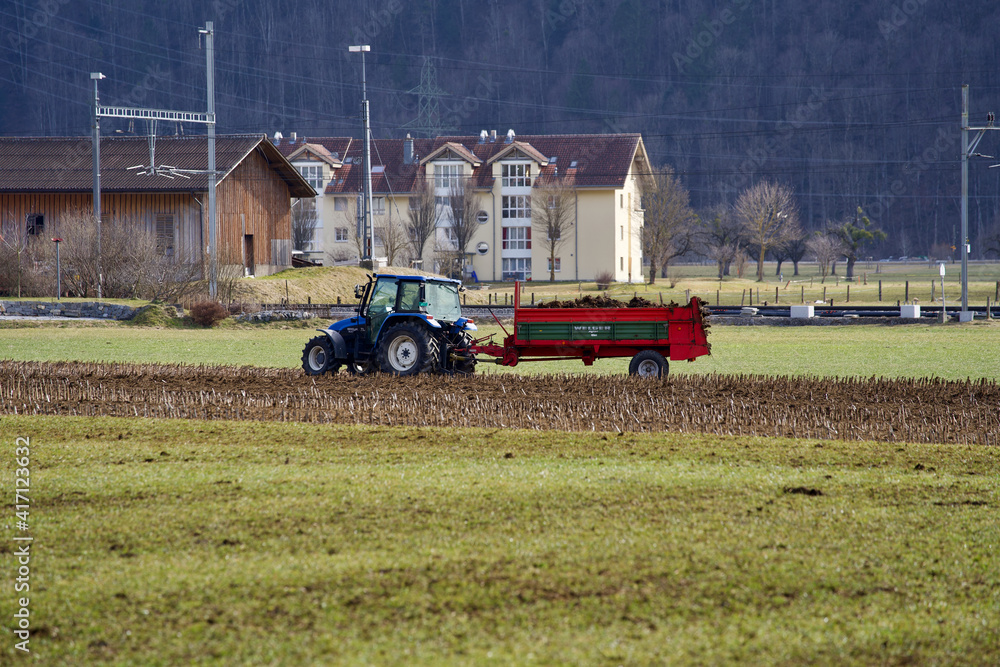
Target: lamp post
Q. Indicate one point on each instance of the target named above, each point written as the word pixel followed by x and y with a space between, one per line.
pixel 57 241
pixel 366 259
pixel 95 77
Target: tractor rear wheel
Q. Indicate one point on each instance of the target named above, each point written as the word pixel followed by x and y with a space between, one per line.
pixel 317 357
pixel 466 366
pixel 648 364
pixel 407 349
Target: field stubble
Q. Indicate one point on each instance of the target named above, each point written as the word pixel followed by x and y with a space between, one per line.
pixel 914 410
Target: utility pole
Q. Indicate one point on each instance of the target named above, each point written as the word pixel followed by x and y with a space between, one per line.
pixel 96 151
pixel 133 113
pixel 968 149
pixel 213 265
pixel 366 259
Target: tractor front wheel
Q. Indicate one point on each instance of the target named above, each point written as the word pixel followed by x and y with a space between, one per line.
pixel 648 364
pixel 407 349
pixel 317 357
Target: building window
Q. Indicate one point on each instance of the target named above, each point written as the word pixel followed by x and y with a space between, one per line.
pixel 165 235
pixel 623 232
pixel 516 175
pixel 36 224
pixel 558 264
pixel 340 203
pixel 621 262
pixel 314 175
pixel 447 176
pixel 516 268
pixel 340 235
pixel 517 238
pixel 378 205
pixel 621 201
pixel 516 206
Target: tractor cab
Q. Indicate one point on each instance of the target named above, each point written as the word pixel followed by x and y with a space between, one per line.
pixel 422 318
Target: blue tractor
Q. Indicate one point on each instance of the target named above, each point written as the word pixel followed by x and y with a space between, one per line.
pixel 405 325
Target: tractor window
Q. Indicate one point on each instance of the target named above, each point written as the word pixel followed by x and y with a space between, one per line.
pixel 383 300
pixel 442 301
pixel 409 296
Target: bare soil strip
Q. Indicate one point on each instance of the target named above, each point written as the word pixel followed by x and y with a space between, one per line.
pixel 880 409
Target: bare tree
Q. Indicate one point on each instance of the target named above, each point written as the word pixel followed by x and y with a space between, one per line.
pixel 348 219
pixel 423 216
pixel 14 236
pixel 721 236
pixel 134 265
pixel 304 221
pixel 826 249
pixel 464 205
pixel 669 228
pixel 552 216
pixel 797 249
pixel 769 216
pixel 392 236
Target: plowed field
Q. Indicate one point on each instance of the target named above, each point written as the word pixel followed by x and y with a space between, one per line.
pixel 922 410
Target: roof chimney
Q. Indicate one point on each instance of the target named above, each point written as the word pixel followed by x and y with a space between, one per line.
pixel 493 136
pixel 510 136
pixel 295 137
pixel 482 137
pixel 408 149
pixel 277 138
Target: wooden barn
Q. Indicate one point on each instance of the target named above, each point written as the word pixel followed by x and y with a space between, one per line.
pixel 43 180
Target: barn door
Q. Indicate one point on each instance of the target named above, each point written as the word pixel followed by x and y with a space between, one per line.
pixel 248 254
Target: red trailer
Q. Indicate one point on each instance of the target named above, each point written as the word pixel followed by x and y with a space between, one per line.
pixel 649 335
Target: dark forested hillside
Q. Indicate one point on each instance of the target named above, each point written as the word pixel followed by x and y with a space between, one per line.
pixel 850 103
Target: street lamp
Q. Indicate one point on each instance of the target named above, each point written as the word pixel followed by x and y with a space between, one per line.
pixel 366 259
pixel 57 241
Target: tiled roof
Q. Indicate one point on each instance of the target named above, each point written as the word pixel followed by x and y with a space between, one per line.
pixel 456 148
pixel 318 150
pixel 395 178
pixel 602 160
pixel 64 164
pixel 337 146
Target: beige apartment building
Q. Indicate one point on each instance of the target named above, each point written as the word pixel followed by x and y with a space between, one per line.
pixel 600 172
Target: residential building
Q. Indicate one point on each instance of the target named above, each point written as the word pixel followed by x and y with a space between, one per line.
pixel 45 179
pixel 602 173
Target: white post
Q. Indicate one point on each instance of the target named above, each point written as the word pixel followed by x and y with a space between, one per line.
pixel 944 309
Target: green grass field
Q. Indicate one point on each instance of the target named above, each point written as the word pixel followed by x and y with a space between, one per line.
pixel 165 543
pixel 949 351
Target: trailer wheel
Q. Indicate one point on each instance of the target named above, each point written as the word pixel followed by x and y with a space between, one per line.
pixel 317 357
pixel 648 364
pixel 407 349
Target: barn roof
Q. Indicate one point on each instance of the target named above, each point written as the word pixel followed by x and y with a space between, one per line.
pixel 64 164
